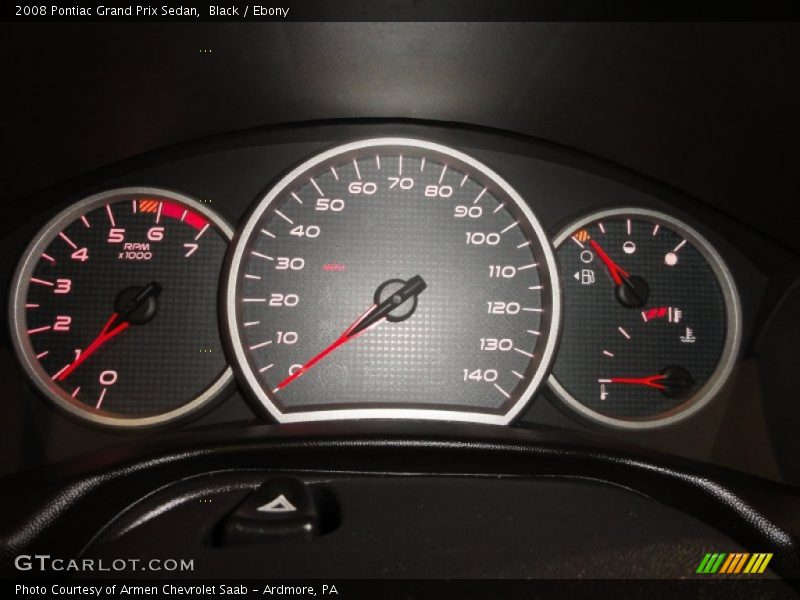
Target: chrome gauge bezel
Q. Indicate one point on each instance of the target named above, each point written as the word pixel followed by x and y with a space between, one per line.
pixel 18 320
pixel 276 193
pixel 731 347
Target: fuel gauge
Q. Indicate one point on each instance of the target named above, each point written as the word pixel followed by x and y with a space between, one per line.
pixel 651 319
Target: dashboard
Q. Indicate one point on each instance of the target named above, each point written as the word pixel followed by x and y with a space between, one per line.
pixel 397 296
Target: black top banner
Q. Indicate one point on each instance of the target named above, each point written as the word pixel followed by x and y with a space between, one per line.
pixel 396 10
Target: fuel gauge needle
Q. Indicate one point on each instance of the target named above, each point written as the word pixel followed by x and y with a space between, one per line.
pixel 631 291
pixel 373 317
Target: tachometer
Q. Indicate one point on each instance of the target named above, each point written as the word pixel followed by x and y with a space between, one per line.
pixel 392 278
pixel 651 319
pixel 114 308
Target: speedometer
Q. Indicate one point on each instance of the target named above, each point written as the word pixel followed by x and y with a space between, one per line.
pixel 392 278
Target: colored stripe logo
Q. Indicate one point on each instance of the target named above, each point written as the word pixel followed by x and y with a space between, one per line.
pixel 734 563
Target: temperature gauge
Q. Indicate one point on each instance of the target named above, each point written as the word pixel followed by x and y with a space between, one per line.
pixel 651 319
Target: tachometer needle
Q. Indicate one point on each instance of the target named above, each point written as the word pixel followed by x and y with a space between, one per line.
pixel 373 317
pixel 114 326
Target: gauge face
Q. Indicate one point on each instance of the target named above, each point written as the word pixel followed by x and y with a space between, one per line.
pixel 392 278
pixel 651 319
pixel 114 308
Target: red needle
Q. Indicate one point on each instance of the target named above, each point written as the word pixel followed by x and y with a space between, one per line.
pixel 105 335
pixel 340 341
pixel 651 381
pixel 616 271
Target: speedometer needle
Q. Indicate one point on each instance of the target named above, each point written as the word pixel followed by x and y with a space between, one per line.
pixel 118 323
pixel 373 317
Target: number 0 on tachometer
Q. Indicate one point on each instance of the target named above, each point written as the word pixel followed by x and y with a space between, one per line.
pixel 392 278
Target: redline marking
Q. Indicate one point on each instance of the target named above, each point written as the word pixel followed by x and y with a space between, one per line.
pixel 248 276
pixel 31 306
pixel 85 222
pixel 400 171
pixel 358 173
pixel 284 217
pixel 463 181
pixel 111 215
pixel 518 374
pixel 602 228
pixel 335 174
pixel 502 391
pixel 69 241
pixel 267 368
pixel 530 266
pixel 378 161
pixel 267 233
pixel 100 399
pixel 625 333
pixel 533 332
pixel 42 282
pixel 60 371
pixel 201 232
pixel 574 239
pixel 441 175
pixel 261 345
pixel 607 353
pixel 75 393
pixel 39 329
pixel 514 224
pixel 251 323
pixel 483 191
pixel 296 197
pixel 422 164
pixel 523 352
pixel 48 257
pixel 656 228
pixel 679 246
pixel 314 183
pixel 259 255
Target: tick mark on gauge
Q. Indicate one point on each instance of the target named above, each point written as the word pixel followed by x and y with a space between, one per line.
pixel 679 246
pixel 656 228
pixel 100 399
pixel 314 183
pixel 623 332
pixel 502 391
pixel 523 244
pixel 530 266
pixel 519 375
pixel 60 371
pixel 500 207
pixel 526 309
pixel 111 215
pixel 64 237
pixel 441 175
pixel 483 191
pixel 41 282
pixel 31 306
pixel 297 198
pixel 268 234
pixel 577 241
pixel 248 276
pixel 39 329
pixel 254 299
pixel 532 332
pixel 536 287
pixel 48 258
pixel 259 255
pixel 335 174
pixel 252 323
pixel 42 354
pixel 601 227
pixel 267 368
pixel 378 162
pixel 464 180
pixel 514 224
pixel 201 232
pixel 85 222
pixel 284 217
pixel 608 354
pixel 355 166
pixel 523 352
pixel 260 345
pixel 400 165
pixel 628 226
pixel 422 164
pixel 75 391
